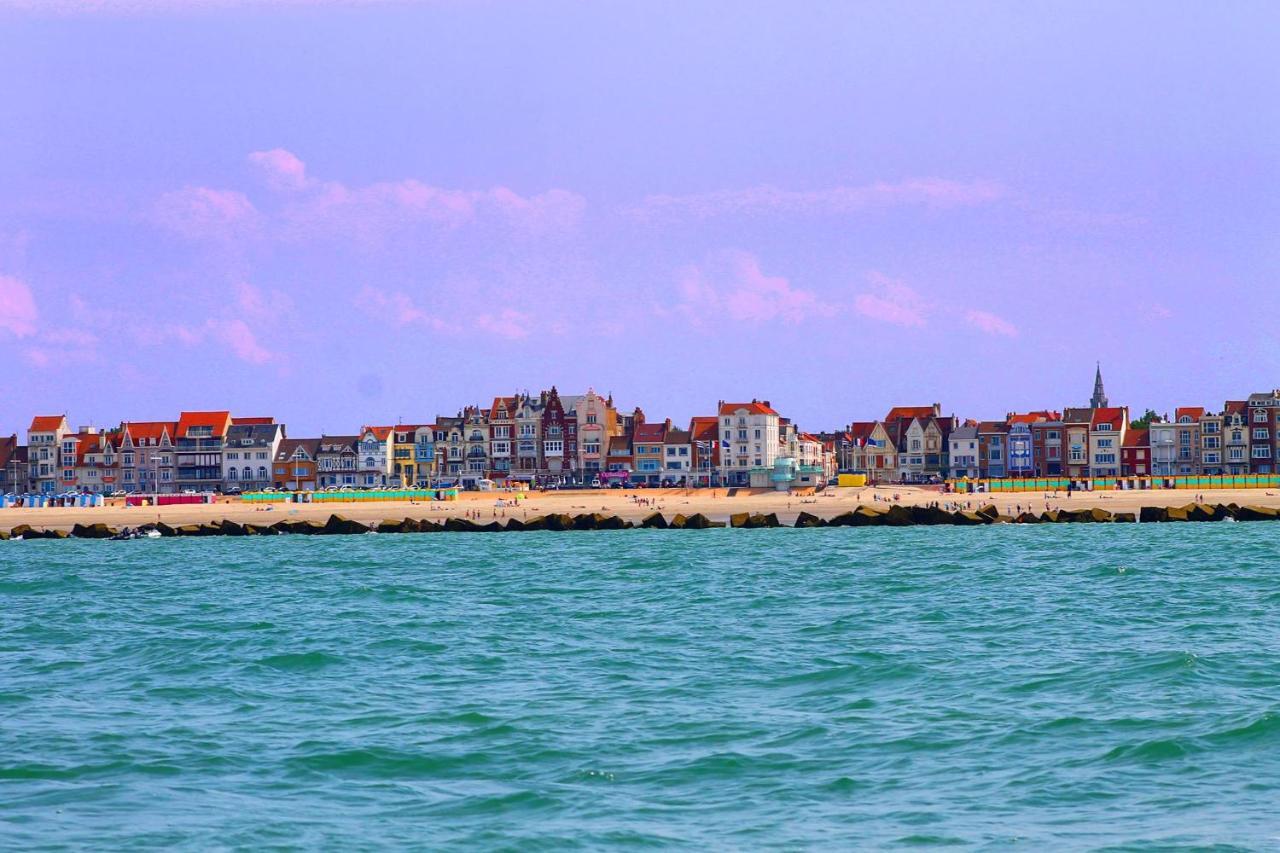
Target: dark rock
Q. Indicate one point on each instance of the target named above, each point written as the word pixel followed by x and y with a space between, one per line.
pixel 1029 518
pixel 1256 513
pixel 92 531
pixel 337 525
pixel 968 519
pixel 989 511
pixel 739 519
pixel 1124 518
pixel 805 519
pixel 1148 514
pixel 460 525
pixel 230 528
pixel 654 521
pixel 514 524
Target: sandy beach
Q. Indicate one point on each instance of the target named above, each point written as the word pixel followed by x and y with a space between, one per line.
pixel 716 504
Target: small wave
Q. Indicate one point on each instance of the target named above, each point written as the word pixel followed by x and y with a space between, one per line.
pixel 300 661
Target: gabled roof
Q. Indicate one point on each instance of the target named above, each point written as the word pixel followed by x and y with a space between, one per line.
pixel 704 428
pixel 218 422
pixel 964 433
pixel 379 432
pixel 508 403
pixel 910 412
pixel 755 407
pixel 805 436
pixel 992 427
pixel 258 433
pixel 650 433
pixel 1034 417
pixel 1077 415
pixel 1113 415
pixel 620 443
pixel 677 436
pixel 1234 407
pixel 47 423
pixel 289 446
pixel 328 443
pixel 140 431
pixel 1193 412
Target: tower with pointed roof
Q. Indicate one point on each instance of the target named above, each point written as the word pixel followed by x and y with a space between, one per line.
pixel 1099 399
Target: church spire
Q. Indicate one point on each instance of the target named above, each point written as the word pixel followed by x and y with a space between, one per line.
pixel 1099 400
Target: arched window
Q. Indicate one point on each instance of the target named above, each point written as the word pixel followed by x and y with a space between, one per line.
pixel 248 473
pixel 231 473
pixel 262 472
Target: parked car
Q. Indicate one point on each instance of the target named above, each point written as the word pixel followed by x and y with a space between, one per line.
pixel 595 484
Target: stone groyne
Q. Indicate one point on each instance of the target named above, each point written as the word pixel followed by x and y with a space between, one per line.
pixel 862 516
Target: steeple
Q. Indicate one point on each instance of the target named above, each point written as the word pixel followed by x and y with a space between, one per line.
pixel 1099 399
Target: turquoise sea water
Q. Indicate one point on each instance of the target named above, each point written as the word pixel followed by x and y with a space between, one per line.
pixel 1041 687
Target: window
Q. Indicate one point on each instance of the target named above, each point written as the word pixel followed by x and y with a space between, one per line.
pixel 591 447
pixel 1261 452
pixel 1104 442
pixel 231 473
pixel 200 432
pixel 591 417
pixel 553 446
pixel 128 459
pixel 1103 428
pixel 758 435
pixel 1259 415
pixel 1184 438
pixel 233 456
pixel 1261 435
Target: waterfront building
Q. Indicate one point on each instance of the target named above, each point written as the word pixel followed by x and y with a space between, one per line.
pixel 1264 431
pixel 44 445
pixel 1021 450
pixel 1187 423
pixel 375 456
pixel 619 461
pixel 1235 436
pixel 200 443
pixel 502 428
pixel 596 420
pixel 1211 458
pixel 295 465
pixel 1076 425
pixel 648 448
pixel 993 448
pixel 748 439
pixel 963 444
pixel 1046 445
pixel 13 466
pixel 677 460
pixel 1162 440
pixel 1106 436
pixel 336 461
pixel 1135 453
pixel 475 446
pixel 249 453
pixel 527 461
pixel 450 443
pixel 147 456
pixel 556 453
pixel 874 452
pixel 704 448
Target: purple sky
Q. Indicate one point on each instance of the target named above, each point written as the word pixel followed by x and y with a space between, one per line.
pixel 346 213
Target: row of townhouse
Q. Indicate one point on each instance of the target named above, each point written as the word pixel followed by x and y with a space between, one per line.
pixel 200 451
pixel 914 443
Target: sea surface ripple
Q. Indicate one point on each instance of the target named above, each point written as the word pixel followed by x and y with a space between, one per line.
pixel 1022 687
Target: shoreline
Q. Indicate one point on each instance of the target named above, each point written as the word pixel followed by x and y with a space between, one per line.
pixel 631 508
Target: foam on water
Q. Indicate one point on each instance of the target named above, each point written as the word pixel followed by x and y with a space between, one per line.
pixel 1036 687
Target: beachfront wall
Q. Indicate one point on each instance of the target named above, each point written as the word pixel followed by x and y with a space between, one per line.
pixel 1050 484
pixel 351 497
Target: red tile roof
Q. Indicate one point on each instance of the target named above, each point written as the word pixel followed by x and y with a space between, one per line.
pixel 1035 417
pixel 704 428
pixel 909 412
pixel 1136 438
pixel 650 433
pixel 216 421
pixel 1194 412
pixel 755 407
pixel 252 421
pixel 379 432
pixel 150 430
pixel 1113 415
pixel 47 423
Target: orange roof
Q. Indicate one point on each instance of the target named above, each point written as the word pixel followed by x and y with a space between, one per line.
pixel 139 430
pixel 806 436
pixel 508 403
pixel 755 407
pixel 1113 415
pixel 909 412
pixel 379 432
pixel 47 423
pixel 1035 417
pixel 1136 438
pixel 1194 412
pixel 252 421
pixel 216 421
pixel 704 428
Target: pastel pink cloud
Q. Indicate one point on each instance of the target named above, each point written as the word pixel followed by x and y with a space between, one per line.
pixel 397 307
pixel 204 212
pixel 892 302
pixel 239 338
pixel 733 285
pixel 283 169
pixel 18 313
pixel 991 324
pixel 509 324
pixel 929 192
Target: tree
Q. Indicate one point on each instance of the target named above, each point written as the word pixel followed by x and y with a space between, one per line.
pixel 1148 417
